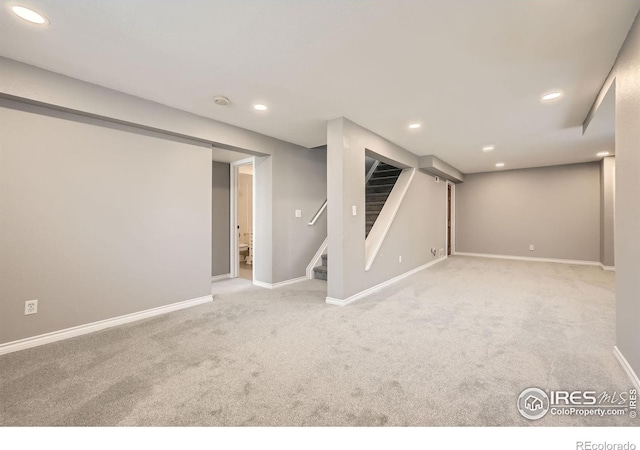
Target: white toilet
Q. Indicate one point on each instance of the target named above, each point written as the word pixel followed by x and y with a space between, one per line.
pixel 242 248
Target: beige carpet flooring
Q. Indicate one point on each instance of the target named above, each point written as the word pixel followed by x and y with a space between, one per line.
pixel 452 345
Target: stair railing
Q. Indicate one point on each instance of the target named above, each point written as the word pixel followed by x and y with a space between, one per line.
pixel 324 205
pixel 318 214
pixel 370 172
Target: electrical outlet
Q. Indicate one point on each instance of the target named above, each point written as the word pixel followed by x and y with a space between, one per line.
pixel 399 259
pixel 441 253
pixel 353 210
pixel 298 213
pixel 531 247
pixel 30 307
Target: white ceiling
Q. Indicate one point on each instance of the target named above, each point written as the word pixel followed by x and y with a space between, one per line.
pixel 471 71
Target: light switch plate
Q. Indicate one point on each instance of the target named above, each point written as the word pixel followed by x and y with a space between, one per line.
pixel 298 213
pixel 353 209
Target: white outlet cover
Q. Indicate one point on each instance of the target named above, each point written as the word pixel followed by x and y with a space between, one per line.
pixel 399 259
pixel 30 307
pixel 298 213
pixel 353 209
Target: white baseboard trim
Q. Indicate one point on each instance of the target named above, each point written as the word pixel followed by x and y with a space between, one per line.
pixel 316 258
pixel 627 367
pixel 279 284
pixel 67 333
pixel 528 258
pixel 371 290
pixel 608 268
pixel 221 277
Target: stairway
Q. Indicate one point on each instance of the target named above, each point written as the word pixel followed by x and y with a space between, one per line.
pixel 320 272
pixel 378 189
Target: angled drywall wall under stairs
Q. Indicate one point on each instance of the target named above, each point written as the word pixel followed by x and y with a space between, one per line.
pixel 419 224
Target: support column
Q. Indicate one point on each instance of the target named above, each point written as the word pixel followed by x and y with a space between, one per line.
pixel 345 190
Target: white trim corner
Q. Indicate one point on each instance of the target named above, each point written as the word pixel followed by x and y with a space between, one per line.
pixel 627 367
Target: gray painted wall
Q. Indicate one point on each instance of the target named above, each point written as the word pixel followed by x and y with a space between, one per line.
pixel 299 182
pixel 274 199
pixel 97 222
pixel 607 210
pixel 627 209
pixel 418 226
pixel 557 209
pixel 289 179
pixel 220 197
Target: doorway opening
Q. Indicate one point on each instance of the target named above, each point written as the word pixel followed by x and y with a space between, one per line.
pixel 450 217
pixel 242 219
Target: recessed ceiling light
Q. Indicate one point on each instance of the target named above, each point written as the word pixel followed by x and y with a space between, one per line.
pixel 488 148
pixel 260 107
pixel 602 154
pixel 29 15
pixel 552 95
pixel 499 164
pixel 413 126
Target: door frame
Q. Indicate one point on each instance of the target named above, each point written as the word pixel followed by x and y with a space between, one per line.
pixel 234 260
pixel 453 218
